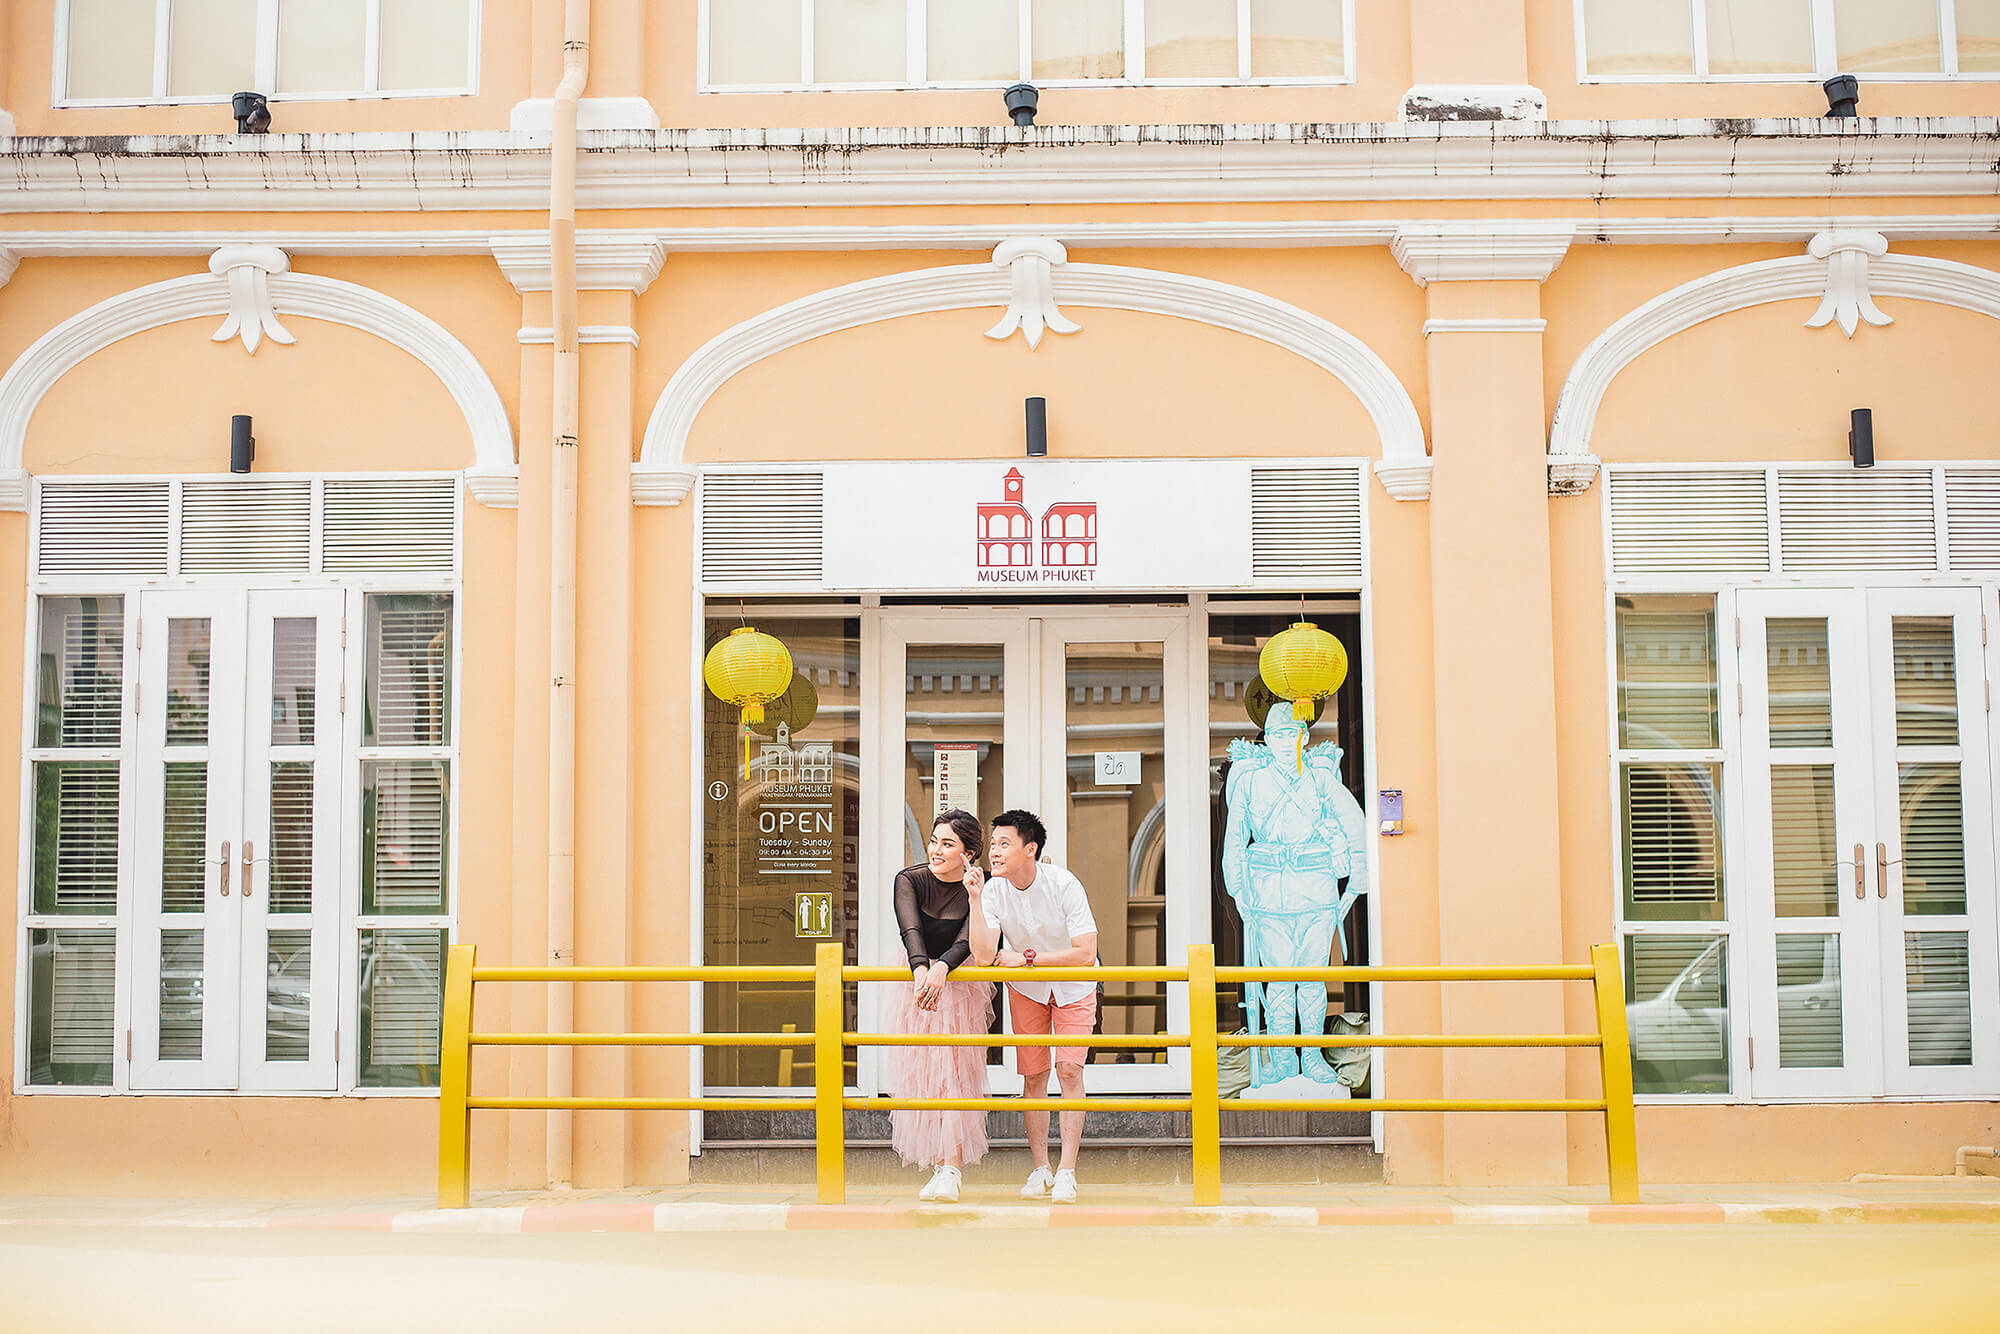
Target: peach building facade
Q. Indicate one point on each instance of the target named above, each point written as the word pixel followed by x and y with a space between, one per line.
pixel 1625 415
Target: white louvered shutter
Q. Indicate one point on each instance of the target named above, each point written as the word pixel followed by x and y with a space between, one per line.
pixel 1972 518
pixel 1692 520
pixel 391 524
pixel 1305 524
pixel 246 526
pixel 402 997
pixel 102 528
pixel 1875 519
pixel 83 981
pixel 763 528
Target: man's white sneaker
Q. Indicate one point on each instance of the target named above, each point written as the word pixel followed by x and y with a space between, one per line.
pixel 1064 1191
pixel 1040 1182
pixel 943 1185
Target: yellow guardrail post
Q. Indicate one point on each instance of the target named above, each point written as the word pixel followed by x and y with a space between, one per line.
pixel 829 1075
pixel 1205 1086
pixel 1621 1131
pixel 455 1082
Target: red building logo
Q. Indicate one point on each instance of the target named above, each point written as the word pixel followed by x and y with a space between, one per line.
pixel 1007 536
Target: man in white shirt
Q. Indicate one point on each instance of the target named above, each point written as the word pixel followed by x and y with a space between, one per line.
pixel 1034 914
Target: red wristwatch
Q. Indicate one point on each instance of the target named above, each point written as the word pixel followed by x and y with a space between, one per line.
pixel 1028 958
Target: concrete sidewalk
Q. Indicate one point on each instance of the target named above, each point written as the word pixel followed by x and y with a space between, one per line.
pixel 715 1208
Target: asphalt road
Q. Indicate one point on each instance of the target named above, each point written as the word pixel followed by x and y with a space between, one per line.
pixel 1625 1277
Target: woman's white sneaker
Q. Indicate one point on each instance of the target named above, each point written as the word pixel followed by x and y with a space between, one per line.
pixel 1064 1190
pixel 1040 1182
pixel 943 1185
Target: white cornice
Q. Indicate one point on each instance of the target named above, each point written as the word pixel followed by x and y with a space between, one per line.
pixel 973 286
pixel 1481 250
pixel 661 483
pixel 9 261
pixel 1149 233
pixel 606 261
pixel 1811 275
pixel 194 296
pixel 1004 165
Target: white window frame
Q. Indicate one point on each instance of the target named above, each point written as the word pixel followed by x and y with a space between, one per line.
pixel 266 79
pixel 356 587
pixel 1724 588
pixel 917 54
pixel 1825 52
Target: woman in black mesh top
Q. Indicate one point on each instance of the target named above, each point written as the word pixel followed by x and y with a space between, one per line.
pixel 932 910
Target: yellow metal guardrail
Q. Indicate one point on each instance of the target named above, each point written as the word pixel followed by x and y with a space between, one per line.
pixel 830 978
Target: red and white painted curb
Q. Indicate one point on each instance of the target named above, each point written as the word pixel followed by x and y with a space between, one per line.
pixel 636 1216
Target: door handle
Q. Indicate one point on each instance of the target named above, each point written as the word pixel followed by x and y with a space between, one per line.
pixel 248 861
pixel 225 868
pixel 1860 871
pixel 1882 865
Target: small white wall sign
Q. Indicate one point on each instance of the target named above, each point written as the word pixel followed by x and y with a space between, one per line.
pixel 1117 768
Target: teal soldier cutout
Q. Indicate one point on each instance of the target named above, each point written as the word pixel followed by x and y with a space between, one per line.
pixel 1295 833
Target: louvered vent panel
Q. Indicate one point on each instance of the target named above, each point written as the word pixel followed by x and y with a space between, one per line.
pixel 83 968
pixel 391 525
pixel 1305 523
pixel 763 528
pixel 1972 518
pixel 247 527
pixel 1674 522
pixel 102 528
pixel 1881 519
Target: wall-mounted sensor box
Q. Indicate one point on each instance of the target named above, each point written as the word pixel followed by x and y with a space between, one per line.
pixel 1389 811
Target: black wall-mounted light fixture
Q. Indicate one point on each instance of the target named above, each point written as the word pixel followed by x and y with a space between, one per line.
pixel 1861 437
pixel 1843 93
pixel 252 112
pixel 1038 427
pixel 1022 98
pixel 242 446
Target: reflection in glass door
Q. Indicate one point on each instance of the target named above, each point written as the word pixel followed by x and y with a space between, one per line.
pixel 1870 842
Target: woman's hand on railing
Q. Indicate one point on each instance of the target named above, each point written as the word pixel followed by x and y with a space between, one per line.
pixel 929 982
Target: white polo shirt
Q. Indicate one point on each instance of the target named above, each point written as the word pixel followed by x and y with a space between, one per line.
pixel 1045 916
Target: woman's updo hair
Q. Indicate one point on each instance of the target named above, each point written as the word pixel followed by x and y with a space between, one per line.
pixel 971 834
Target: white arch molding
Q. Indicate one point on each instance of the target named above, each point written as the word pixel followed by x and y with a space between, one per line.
pixel 493 477
pixel 663 476
pixel 1844 271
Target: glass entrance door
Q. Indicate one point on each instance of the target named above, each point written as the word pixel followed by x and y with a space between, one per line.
pixel 1870 841
pixel 1082 717
pixel 236 922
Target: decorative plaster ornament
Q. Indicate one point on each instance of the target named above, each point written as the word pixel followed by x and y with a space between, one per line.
pixel 1031 304
pixel 1847 299
pixel 247 270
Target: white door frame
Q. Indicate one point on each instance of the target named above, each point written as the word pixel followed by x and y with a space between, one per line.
pixel 1867 800
pixel 1034 639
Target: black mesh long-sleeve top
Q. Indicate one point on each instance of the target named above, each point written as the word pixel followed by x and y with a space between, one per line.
pixel 935 918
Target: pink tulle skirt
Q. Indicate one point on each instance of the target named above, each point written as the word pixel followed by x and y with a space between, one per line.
pixel 924 1139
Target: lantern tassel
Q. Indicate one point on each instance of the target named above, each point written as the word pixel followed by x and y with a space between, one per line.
pixel 1302 711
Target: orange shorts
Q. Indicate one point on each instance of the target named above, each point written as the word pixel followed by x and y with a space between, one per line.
pixel 1033 1016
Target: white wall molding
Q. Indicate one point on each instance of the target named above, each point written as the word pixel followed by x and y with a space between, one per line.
pixel 1155 233
pixel 1847 299
pixel 1011 167
pixel 661 483
pixel 1480 251
pixel 539 335
pixel 247 270
pixel 197 296
pixel 1808 276
pixel 973 286
pixel 607 261
pixel 1484 325
pixel 9 261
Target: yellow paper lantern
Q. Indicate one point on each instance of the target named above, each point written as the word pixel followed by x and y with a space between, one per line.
pixel 1303 664
pixel 748 669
